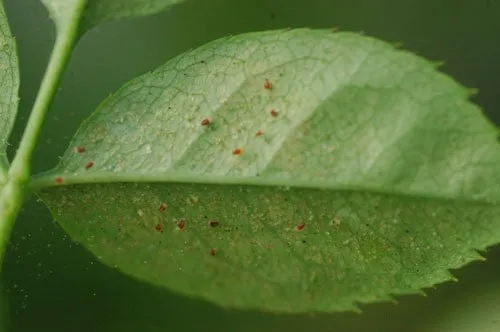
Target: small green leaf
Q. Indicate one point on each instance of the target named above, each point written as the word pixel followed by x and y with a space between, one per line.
pixel 285 170
pixel 9 88
pixel 100 11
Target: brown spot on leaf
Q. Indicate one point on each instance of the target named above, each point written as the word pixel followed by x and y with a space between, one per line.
pixel 300 226
pixel 181 224
pixel 213 252
pixel 274 113
pixel 89 165
pixel 163 207
pixel 267 85
pixel 237 151
pixel 214 223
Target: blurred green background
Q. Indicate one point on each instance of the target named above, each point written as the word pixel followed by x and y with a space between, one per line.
pixel 54 285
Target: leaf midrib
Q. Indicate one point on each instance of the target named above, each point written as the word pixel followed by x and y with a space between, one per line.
pixel 46 180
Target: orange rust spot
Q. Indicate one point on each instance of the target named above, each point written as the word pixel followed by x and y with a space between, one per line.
pixel 163 207
pixel 237 151
pixel 79 149
pixel 300 226
pixel 259 133
pixel 213 252
pixel 274 113
pixel 181 224
pixel 89 165
pixel 206 122
pixel 58 180
pixel 214 223
pixel 159 228
pixel 267 85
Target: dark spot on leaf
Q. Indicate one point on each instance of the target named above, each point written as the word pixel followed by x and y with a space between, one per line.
pixel 89 165
pixel 300 226
pixel 213 252
pixel 163 207
pixel 181 224
pixel 159 228
pixel 303 241
pixel 79 149
pixel 205 122
pixel 267 85
pixel 214 223
pixel 259 133
pixel 237 151
pixel 274 113
pixel 407 231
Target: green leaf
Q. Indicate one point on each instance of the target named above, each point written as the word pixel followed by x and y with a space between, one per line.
pixel 100 11
pixel 374 176
pixel 9 87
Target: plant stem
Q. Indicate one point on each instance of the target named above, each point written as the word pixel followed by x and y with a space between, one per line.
pixel 15 190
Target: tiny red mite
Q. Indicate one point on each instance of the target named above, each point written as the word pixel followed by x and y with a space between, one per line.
pixel 59 180
pixel 181 224
pixel 267 85
pixel 79 149
pixel 213 252
pixel 237 151
pixel 300 226
pixel 214 223
pixel 205 122
pixel 159 228
pixel 163 207
pixel 89 165
pixel 274 113
pixel 259 133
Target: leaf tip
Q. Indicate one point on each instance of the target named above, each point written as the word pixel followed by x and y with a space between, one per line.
pixel 472 92
pixel 438 64
pixel 398 45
